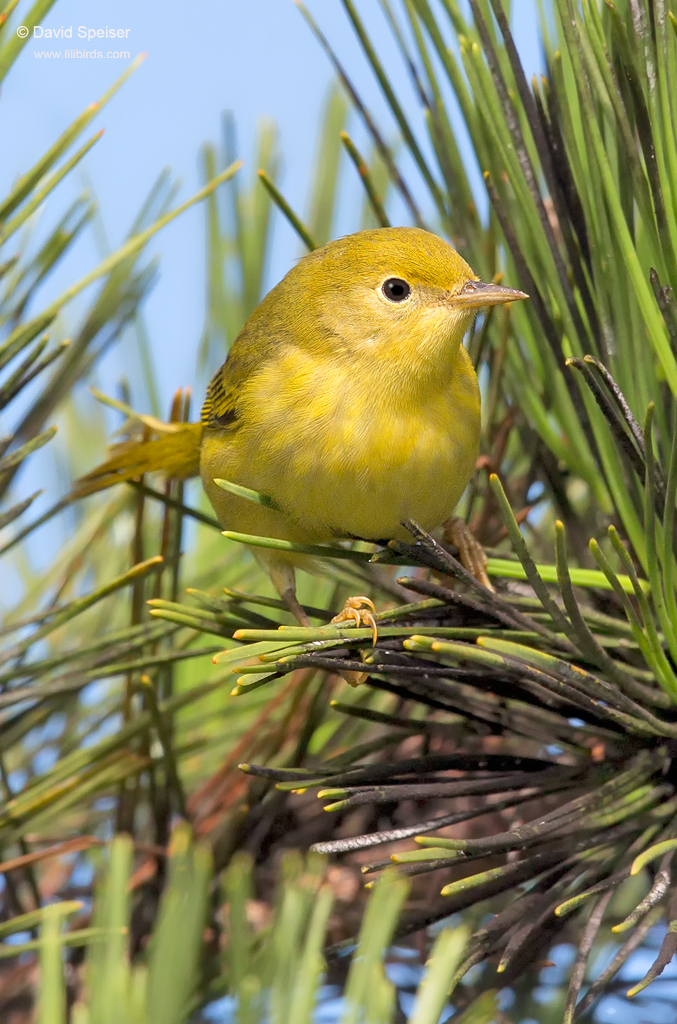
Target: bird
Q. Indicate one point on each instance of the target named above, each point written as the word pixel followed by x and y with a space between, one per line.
pixel 348 399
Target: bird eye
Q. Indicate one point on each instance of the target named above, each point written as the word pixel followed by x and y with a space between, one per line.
pixel 395 289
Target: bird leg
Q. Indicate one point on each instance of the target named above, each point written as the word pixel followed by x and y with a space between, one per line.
pixel 350 611
pixel 291 601
pixel 283 578
pixel 470 552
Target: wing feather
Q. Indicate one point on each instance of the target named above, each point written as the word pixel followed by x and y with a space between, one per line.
pixel 249 352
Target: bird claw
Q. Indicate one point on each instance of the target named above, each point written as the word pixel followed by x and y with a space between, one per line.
pixel 354 678
pixel 353 611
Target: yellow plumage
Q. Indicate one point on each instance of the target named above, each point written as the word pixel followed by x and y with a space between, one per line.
pixel 348 398
pixel 176 454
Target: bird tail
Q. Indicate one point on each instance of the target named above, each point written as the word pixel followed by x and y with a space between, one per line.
pixel 176 453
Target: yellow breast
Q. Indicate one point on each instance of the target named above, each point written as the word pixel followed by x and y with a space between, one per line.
pixel 342 456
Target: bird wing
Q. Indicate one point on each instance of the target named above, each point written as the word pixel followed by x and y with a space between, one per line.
pixel 249 352
pixel 220 404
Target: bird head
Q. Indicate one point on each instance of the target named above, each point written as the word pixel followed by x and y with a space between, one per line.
pixel 395 294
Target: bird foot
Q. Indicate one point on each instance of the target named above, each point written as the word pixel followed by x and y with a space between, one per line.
pixel 354 678
pixel 470 552
pixel 353 611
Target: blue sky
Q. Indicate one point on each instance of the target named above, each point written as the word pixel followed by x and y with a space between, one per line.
pixel 257 58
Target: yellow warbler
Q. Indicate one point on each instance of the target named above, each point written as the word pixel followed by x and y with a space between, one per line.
pixel 348 398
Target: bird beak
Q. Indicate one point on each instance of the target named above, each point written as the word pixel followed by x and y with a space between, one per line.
pixel 476 293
